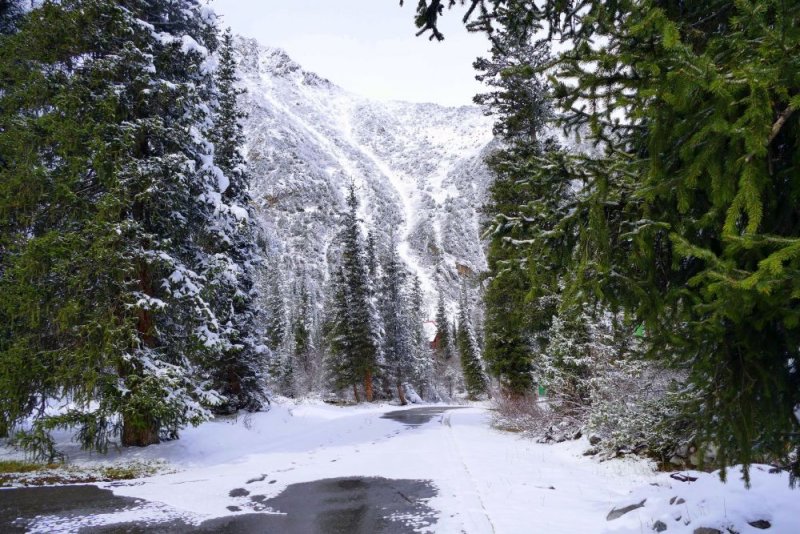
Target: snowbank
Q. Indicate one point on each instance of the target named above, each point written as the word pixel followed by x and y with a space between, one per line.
pixel 679 507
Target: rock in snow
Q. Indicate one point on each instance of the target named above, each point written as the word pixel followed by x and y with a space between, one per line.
pixel 616 513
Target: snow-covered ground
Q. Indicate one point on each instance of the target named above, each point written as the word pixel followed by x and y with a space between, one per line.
pixel 488 481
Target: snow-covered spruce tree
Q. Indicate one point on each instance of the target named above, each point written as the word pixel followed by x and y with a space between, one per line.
pixel 474 377
pixel 446 362
pixel 352 326
pixel 275 311
pixel 277 329
pixel 424 369
pixel 238 366
pixel 303 340
pixel 341 372
pixel 575 360
pixel 518 100
pixel 371 256
pixel 444 342
pixel 108 192
pixel 394 306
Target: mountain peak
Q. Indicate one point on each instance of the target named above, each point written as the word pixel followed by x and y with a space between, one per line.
pixel 257 59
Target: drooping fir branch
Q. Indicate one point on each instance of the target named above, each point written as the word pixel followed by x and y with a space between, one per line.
pixel 428 14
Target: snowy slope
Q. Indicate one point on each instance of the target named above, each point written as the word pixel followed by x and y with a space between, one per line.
pixel 417 167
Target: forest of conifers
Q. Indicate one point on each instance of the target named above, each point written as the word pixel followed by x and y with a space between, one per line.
pixel 643 232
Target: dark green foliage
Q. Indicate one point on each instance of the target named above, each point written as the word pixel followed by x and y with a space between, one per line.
pixel 352 328
pixel 116 250
pixel 474 377
pixel 508 352
pixel 522 289
pixel 237 368
pixel 228 135
pixel 443 340
pixel 684 212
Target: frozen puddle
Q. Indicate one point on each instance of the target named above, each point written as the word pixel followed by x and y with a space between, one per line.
pixel 353 505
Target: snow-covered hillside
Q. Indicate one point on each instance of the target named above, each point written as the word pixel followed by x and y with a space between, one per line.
pixel 418 169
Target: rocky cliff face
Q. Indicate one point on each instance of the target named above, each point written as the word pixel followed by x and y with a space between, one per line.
pixel 418 170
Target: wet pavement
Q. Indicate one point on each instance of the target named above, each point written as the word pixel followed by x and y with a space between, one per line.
pixel 352 505
pixel 18 506
pixel 418 416
pixel 332 506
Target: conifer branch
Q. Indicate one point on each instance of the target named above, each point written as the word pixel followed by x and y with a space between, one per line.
pixel 776 128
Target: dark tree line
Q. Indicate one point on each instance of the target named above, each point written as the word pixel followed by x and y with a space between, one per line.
pixel 375 329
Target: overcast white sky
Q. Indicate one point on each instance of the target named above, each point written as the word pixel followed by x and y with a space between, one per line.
pixel 365 46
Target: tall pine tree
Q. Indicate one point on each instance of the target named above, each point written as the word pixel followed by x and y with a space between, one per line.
pixel 353 333
pixel 237 367
pixel 474 377
pixel 398 349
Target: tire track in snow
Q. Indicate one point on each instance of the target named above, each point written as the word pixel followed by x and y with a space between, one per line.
pixel 453 441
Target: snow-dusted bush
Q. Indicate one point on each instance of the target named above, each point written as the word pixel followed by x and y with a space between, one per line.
pixel 638 407
pixel 597 382
pixel 518 414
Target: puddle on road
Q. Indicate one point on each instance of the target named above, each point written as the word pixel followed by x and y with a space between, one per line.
pixel 418 416
pixel 19 506
pixel 340 505
pixel 351 505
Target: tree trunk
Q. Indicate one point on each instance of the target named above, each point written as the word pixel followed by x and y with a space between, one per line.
pixel 368 385
pixel 355 393
pixel 138 435
pixel 401 394
pixel 145 326
pixel 3 427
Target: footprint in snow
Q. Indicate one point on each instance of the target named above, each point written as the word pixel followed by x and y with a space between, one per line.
pixel 238 492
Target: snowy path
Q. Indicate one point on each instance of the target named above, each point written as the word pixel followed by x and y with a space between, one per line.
pixel 484 481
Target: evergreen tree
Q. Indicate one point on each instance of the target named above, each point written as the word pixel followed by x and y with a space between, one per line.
pixel 231 272
pixel 275 310
pixel 228 135
pixel 278 336
pixel 302 327
pixel 340 364
pixel 371 256
pixel 524 282
pixel 111 210
pixel 424 368
pixel 474 377
pixel 353 333
pixel 398 349
pixel 444 341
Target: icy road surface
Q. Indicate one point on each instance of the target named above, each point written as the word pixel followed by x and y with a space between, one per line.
pixel 315 468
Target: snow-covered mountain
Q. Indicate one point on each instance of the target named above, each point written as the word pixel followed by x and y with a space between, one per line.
pixel 418 169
